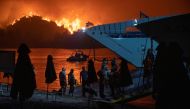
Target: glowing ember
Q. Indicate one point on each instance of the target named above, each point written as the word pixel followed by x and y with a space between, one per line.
pixel 71 25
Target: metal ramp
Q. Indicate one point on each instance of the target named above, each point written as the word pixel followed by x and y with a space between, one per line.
pixel 129 48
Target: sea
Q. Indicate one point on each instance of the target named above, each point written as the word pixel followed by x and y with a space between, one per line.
pixel 38 57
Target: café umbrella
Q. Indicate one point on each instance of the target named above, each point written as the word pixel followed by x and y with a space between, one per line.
pixel 50 74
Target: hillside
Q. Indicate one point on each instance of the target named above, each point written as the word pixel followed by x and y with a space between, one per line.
pixel 39 33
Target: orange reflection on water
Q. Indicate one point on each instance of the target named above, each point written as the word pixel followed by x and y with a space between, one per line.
pixel 39 59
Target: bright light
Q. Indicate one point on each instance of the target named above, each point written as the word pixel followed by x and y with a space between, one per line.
pixel 83 29
pixel 135 22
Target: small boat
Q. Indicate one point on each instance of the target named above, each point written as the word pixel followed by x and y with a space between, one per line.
pixel 78 57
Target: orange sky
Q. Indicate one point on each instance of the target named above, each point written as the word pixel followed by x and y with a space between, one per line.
pixel 97 11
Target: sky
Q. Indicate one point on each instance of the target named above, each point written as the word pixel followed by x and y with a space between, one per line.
pixel 96 11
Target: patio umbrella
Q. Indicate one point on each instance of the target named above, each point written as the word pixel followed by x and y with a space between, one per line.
pixel 92 77
pixel 24 81
pixel 50 73
pixel 169 29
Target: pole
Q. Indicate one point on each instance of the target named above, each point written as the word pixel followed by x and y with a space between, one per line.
pixel 47 91
pixel 151 42
pixel 94 54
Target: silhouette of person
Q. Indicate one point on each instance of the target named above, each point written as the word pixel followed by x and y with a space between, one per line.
pixel 71 81
pixel 148 69
pixel 104 63
pixel 101 83
pixel 178 81
pixel 159 72
pixel 171 80
pixel 113 77
pixel 84 80
pixel 62 80
pixel 114 66
pixel 24 81
pixel 125 77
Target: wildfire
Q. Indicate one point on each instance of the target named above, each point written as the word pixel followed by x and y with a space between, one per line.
pixel 71 25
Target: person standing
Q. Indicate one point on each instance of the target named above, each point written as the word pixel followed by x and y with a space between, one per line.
pixel 62 80
pixel 71 81
pixel 83 79
pixel 125 76
pixel 104 63
pixel 113 77
pixel 171 82
pixel 101 83
pixel 148 69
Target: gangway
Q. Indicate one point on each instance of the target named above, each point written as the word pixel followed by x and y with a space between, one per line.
pixel 133 49
pixel 130 45
pixel 113 36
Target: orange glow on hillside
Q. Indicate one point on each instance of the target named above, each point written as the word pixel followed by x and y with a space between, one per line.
pixel 71 25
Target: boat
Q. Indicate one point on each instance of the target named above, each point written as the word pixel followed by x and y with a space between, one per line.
pixel 131 39
pixel 78 57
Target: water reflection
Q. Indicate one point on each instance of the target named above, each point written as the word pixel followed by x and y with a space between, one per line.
pixel 39 58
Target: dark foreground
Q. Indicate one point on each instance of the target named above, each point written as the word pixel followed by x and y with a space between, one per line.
pixel 8 103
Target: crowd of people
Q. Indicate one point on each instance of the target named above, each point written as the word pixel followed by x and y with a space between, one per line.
pixel 116 78
pixel 167 74
pixel 170 71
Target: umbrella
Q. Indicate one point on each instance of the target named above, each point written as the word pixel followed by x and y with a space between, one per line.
pixel 24 81
pixel 50 73
pixel 92 77
pixel 169 29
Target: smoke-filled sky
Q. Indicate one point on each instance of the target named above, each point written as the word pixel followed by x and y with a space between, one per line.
pixel 97 11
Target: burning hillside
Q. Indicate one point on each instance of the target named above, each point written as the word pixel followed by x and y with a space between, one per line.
pixel 71 25
pixel 37 31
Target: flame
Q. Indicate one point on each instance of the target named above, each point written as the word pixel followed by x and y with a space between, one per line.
pixel 71 25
